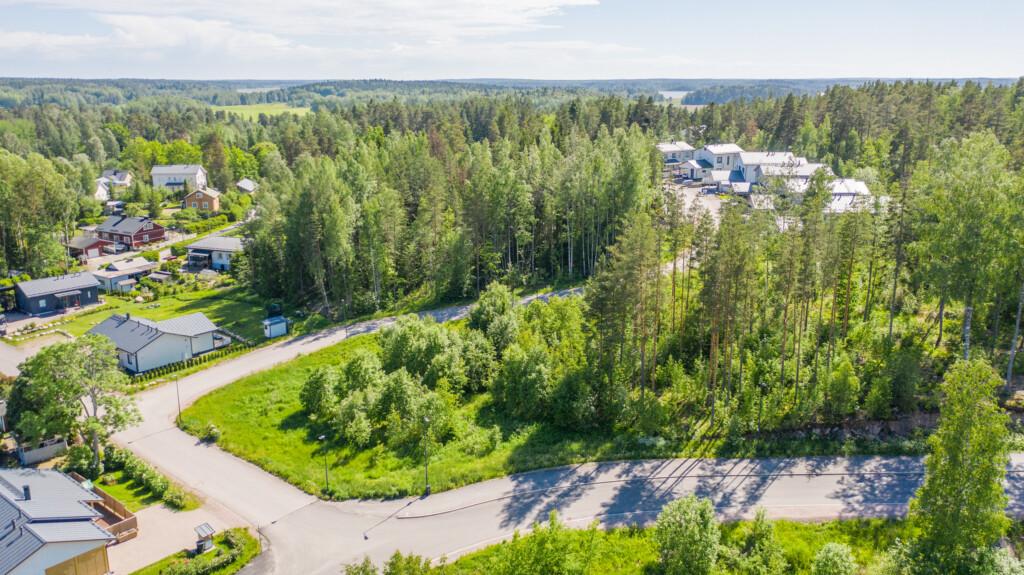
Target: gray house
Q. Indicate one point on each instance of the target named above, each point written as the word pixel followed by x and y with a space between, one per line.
pixel 47 295
pixel 143 344
pixel 213 252
pixel 50 525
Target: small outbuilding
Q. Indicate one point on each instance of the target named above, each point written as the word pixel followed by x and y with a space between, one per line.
pixel 86 247
pixel 275 327
pixel 47 295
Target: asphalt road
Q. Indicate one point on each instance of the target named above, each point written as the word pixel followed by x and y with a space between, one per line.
pixel 305 535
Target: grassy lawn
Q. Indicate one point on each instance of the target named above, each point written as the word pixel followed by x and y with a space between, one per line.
pixel 248 549
pixel 253 111
pixel 631 551
pixel 135 496
pixel 231 308
pixel 261 420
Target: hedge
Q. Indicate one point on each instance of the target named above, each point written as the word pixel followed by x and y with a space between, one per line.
pixel 198 360
pixel 144 474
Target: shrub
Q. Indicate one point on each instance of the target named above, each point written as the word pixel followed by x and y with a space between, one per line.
pixel 151 255
pixel 687 537
pixel 834 559
pixel 211 434
pixel 80 460
pixel 175 497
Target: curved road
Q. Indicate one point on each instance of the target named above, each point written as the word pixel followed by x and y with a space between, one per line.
pixel 306 535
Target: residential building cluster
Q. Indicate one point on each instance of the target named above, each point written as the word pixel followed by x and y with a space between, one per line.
pixel 728 168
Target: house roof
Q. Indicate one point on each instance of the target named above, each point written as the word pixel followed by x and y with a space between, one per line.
pixel 217 244
pixel 723 148
pixel 57 284
pixel 792 171
pixel 770 158
pixel 57 512
pixel 849 186
pixel 190 325
pixel 704 164
pixel 670 147
pixel 177 169
pixel 247 185
pixel 212 192
pixel 124 224
pixel 132 334
pixel 83 242
pixel 128 334
pixel 118 177
pixel 130 264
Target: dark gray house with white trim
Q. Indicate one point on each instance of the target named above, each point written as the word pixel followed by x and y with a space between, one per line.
pixel 47 295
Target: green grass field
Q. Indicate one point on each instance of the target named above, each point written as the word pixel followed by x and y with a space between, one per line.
pixel 261 420
pixel 231 308
pixel 253 111
pixel 630 551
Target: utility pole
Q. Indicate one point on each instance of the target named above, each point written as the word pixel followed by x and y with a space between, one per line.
pixel 327 478
pixel 426 455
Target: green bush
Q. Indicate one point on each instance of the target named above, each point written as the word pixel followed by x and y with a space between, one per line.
pixel 151 255
pixel 834 559
pixel 175 497
pixel 687 536
pixel 80 460
pixel 211 434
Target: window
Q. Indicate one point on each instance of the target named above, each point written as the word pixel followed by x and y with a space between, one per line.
pixel 718 160
pixel 206 205
pixel 147 227
pixel 42 303
pixel 199 194
pixel 145 237
pixel 195 204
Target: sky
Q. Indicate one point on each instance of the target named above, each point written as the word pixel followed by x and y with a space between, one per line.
pixel 542 39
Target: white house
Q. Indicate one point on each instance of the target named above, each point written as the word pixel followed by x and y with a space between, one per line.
pixel 176 176
pixel 123 275
pixel 143 345
pixel 109 182
pixel 48 525
pixel 751 161
pixel 213 252
pixel 720 156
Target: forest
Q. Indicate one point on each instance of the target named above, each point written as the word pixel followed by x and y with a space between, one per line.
pixel 370 206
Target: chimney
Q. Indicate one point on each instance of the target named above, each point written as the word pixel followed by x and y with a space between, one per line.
pixel 26 493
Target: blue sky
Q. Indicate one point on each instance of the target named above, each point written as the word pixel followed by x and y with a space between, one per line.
pixel 555 39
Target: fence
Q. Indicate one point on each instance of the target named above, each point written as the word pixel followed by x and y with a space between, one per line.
pixel 48 450
pixel 128 525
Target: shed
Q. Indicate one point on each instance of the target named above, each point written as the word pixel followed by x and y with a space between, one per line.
pixel 275 327
pixel 46 295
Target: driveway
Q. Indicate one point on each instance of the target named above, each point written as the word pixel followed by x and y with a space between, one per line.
pixel 305 535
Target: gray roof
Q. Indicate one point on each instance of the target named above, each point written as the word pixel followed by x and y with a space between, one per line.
pixel 130 264
pixel 55 496
pixel 723 148
pixel 176 169
pixel 57 284
pixel 247 185
pixel 124 224
pixel 57 512
pixel 130 334
pixel 82 242
pixel 191 325
pixel 217 244
pixel 116 176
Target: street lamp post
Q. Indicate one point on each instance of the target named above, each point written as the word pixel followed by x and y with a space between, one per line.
pixel 177 391
pixel 426 455
pixel 327 478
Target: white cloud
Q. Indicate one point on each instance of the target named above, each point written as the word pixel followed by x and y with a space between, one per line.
pixel 418 18
pixel 47 44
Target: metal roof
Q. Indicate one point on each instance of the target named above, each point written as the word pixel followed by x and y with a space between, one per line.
pixel 247 185
pixel 128 334
pixel 55 496
pixel 175 169
pixel 83 242
pixel 762 158
pixel 57 512
pixel 669 147
pixel 130 264
pixel 57 284
pixel 724 148
pixel 124 224
pixel 211 192
pixel 190 325
pixel 217 244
